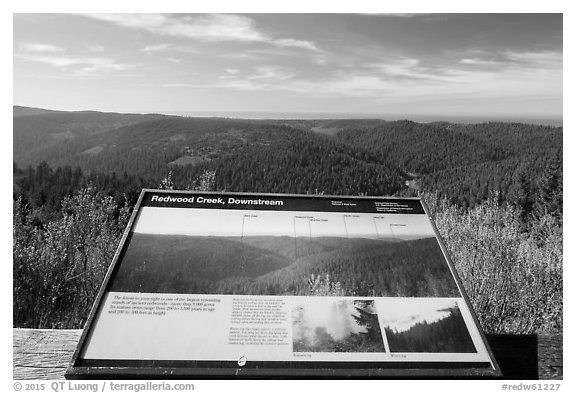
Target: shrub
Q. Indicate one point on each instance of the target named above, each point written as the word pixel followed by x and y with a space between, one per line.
pixel 512 275
pixel 58 268
pixel 511 271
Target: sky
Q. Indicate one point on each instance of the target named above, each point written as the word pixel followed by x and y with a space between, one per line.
pixel 232 222
pixel 401 314
pixel 403 65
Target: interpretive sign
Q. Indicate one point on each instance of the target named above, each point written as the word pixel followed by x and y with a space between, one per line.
pixel 207 284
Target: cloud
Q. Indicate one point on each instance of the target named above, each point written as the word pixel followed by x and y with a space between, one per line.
pixel 271 73
pixel 95 48
pixel 457 79
pixel 81 65
pixel 214 27
pixel 402 316
pixel 288 42
pixel 267 78
pixel 480 62
pixel 156 48
pixel 399 67
pixel 207 28
pixel 134 21
pixel 272 78
pixel 40 48
pixel 413 70
pixel 166 47
pixel 550 60
pixel 545 59
pixel 349 84
pixel 408 78
pixel 182 85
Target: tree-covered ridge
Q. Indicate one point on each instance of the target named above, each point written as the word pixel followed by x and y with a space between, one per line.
pixel 189 264
pixel 46 136
pixel 465 162
pixel 518 180
pixel 263 265
pixel 18 111
pixel 517 138
pixel 42 188
pixel 246 154
pixel 305 165
pixel 468 163
pixel 424 148
pixel 362 267
pixel 446 335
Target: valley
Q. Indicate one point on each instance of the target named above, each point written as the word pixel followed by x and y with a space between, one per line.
pixel 465 162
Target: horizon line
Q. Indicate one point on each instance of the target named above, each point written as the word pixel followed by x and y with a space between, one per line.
pixel 406 237
pixel 542 119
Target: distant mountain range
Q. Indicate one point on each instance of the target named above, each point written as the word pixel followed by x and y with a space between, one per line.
pixel 350 156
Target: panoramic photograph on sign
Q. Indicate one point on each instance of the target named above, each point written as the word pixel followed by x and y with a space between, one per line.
pixel 217 283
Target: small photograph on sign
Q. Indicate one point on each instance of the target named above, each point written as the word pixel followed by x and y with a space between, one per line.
pixel 429 325
pixel 276 253
pixel 336 325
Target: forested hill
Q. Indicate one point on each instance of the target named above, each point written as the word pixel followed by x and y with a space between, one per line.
pixel 425 148
pixel 77 175
pixel 50 136
pixel 466 162
pixel 18 111
pixel 248 155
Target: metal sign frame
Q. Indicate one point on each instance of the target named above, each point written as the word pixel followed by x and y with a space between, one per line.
pixel 146 368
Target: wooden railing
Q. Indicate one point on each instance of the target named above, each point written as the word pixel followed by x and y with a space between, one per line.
pixel 45 354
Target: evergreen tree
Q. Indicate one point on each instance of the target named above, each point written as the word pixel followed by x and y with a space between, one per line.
pixel 521 195
pixel 549 196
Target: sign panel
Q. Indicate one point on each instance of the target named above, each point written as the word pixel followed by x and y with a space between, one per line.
pixel 265 284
